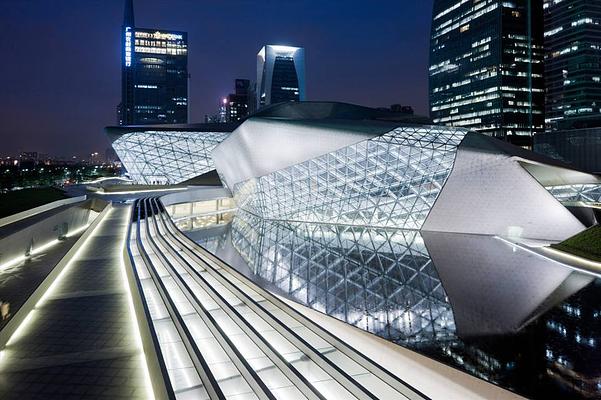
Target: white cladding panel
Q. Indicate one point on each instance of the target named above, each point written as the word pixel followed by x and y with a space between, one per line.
pixel 492 194
pixel 261 146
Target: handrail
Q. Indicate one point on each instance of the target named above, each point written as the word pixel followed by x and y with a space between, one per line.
pixel 386 376
pixel 242 365
pixel 30 304
pixel 201 366
pixel 11 219
pixel 383 374
pixel 150 342
pixel 293 374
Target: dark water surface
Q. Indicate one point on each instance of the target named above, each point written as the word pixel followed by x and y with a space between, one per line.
pixel 474 302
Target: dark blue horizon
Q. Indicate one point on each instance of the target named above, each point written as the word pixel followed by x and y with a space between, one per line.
pixel 61 75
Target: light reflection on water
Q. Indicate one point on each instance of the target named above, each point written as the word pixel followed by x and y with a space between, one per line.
pixel 469 301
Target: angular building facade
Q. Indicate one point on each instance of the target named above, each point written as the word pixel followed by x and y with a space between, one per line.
pixel 154 70
pixel 572 64
pixel 321 164
pixel 486 70
pixel 168 154
pixel 280 75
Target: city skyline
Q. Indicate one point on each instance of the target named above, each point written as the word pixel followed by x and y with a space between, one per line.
pixel 396 200
pixel 74 88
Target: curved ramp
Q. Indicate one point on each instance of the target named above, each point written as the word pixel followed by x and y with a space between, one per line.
pixel 221 336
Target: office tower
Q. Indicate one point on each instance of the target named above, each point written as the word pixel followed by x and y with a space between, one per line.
pixel 573 83
pixel 237 102
pixel 252 98
pixel 572 63
pixel 486 70
pixel 154 87
pixel 280 75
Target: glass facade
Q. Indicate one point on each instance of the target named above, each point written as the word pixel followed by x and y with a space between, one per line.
pixel 572 63
pixel 589 193
pixel 391 180
pixel 202 214
pixel 486 69
pixel 237 103
pixel 379 280
pixel 154 75
pixel 578 147
pixel 474 302
pixel 280 75
pixel 167 157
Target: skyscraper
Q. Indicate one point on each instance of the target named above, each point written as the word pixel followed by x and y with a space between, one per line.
pixel 154 85
pixel 237 102
pixel 486 70
pixel 572 63
pixel 573 83
pixel 280 75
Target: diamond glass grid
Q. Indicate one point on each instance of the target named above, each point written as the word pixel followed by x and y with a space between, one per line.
pixel 388 181
pixel 586 193
pixel 380 280
pixel 167 157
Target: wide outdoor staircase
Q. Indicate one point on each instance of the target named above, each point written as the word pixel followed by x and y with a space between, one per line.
pixel 221 336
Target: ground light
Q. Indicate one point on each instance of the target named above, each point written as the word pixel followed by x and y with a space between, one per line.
pixel 38 250
pixel 23 327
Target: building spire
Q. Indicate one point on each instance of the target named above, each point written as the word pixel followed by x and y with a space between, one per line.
pixel 128 16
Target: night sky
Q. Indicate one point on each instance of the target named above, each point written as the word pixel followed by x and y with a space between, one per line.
pixel 60 71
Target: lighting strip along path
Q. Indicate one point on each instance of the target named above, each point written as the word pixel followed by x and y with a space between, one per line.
pixel 81 336
pixel 222 336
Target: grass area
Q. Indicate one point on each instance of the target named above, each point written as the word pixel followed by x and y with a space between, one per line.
pixel 586 244
pixel 20 200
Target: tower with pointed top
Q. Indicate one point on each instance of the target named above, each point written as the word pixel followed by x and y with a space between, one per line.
pixel 154 74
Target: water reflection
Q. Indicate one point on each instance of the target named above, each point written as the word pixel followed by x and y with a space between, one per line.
pixel 381 280
pixel 474 302
pixel 495 288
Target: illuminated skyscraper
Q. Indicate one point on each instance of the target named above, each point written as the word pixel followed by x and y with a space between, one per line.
pixel 486 70
pixel 237 102
pixel 154 86
pixel 573 63
pixel 280 75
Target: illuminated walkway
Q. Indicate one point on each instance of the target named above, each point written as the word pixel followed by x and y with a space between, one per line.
pixel 78 341
pixel 222 336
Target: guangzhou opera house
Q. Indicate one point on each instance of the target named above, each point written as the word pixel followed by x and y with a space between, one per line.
pixel 433 238
pixel 336 252
pixel 343 164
